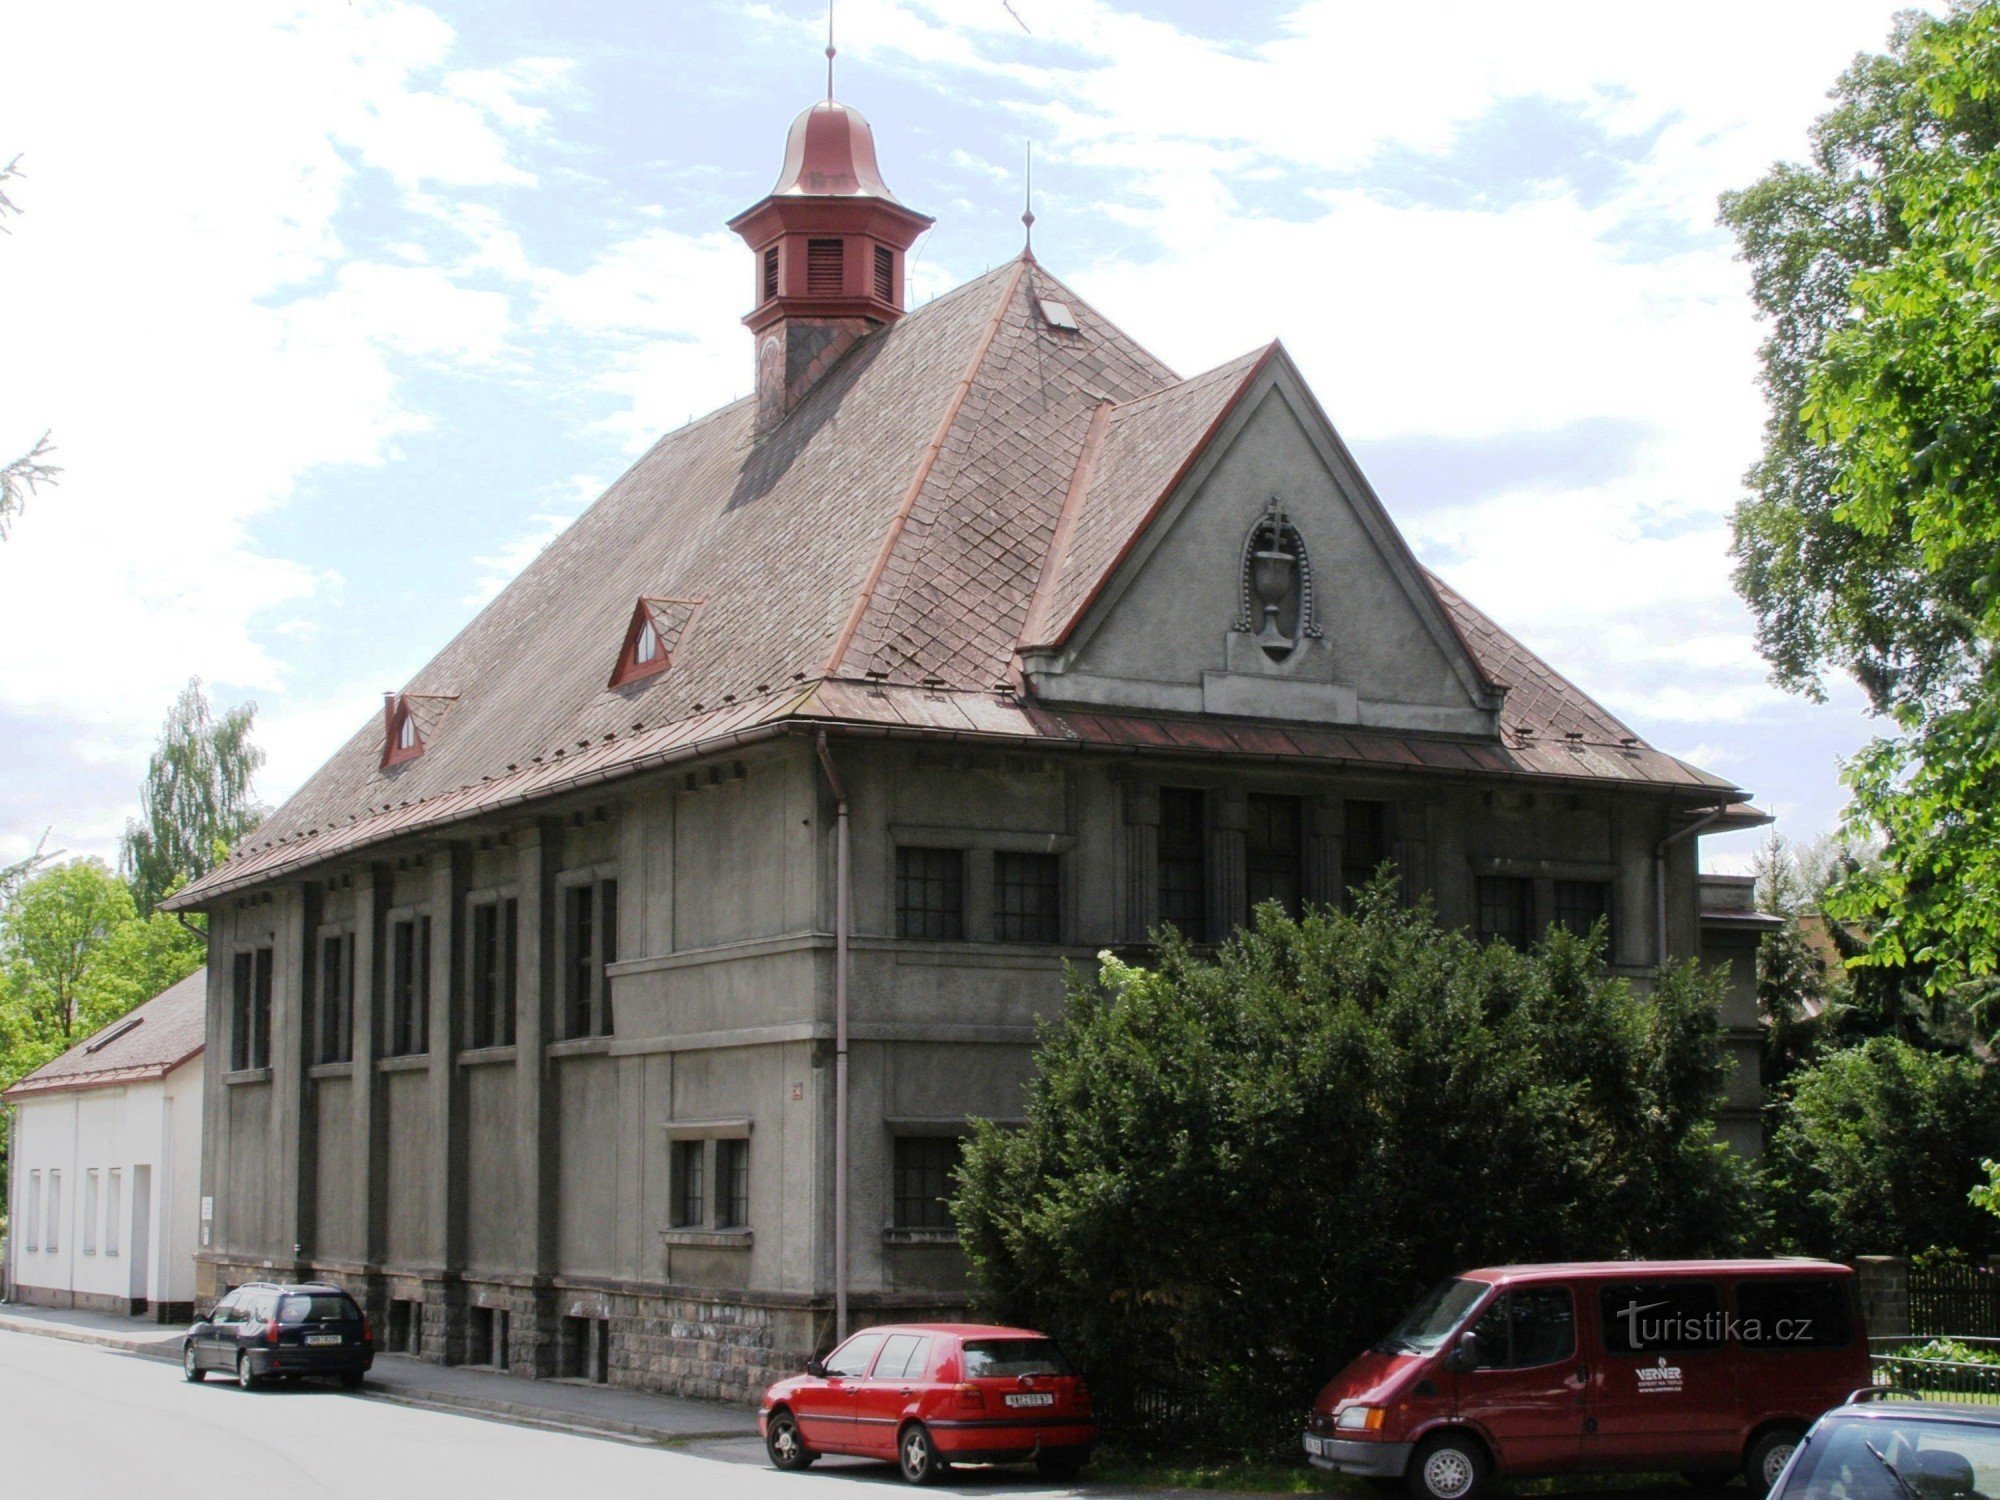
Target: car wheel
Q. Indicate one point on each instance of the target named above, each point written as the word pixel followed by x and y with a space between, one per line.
pixel 191 1369
pixel 1448 1466
pixel 246 1378
pixel 784 1444
pixel 1708 1479
pixel 350 1380
pixel 1061 1465
pixel 917 1455
pixel 1767 1458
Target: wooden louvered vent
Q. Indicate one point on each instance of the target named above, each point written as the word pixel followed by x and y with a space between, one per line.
pixel 824 268
pixel 885 274
pixel 770 282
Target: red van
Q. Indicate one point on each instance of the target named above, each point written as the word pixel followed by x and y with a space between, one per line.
pixel 1706 1367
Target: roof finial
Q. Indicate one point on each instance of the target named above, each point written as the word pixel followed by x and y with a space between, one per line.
pixel 1028 203
pixel 829 49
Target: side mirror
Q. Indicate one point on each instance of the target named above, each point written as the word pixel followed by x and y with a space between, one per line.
pixel 815 1367
pixel 1464 1354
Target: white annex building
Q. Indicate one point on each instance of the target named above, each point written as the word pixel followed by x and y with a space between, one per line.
pixel 106 1163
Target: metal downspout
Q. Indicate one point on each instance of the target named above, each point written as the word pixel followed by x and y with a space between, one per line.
pixel 1660 878
pixel 840 904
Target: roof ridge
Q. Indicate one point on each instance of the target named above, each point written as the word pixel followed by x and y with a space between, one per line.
pixel 1214 372
pixel 953 406
pixel 1079 485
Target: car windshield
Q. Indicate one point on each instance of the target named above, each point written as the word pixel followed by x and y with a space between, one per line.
pixel 317 1307
pixel 1432 1320
pixel 1004 1359
pixel 1852 1459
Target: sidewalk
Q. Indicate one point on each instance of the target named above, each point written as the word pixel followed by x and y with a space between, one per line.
pixel 566 1405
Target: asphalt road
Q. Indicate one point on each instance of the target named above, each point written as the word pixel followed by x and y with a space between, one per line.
pixel 78 1423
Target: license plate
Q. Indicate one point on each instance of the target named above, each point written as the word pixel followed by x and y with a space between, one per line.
pixel 323 1338
pixel 1316 1446
pixel 1031 1398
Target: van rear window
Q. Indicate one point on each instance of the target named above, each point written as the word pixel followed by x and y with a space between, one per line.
pixel 1805 1312
pixel 1645 1317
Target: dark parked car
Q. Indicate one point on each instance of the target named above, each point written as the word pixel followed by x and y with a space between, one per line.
pixel 1896 1450
pixel 265 1330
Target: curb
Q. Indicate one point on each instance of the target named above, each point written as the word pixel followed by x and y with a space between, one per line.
pixel 160 1348
pixel 533 1416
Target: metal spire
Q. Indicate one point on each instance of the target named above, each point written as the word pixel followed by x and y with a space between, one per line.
pixel 829 49
pixel 1028 203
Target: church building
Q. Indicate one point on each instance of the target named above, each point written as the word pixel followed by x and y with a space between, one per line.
pixel 613 1004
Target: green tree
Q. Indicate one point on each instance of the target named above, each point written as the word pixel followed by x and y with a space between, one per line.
pixel 1877 1150
pixel 197 797
pixel 1871 541
pixel 20 476
pixel 1234 1172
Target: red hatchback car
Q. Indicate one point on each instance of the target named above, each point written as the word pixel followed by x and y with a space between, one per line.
pixel 929 1395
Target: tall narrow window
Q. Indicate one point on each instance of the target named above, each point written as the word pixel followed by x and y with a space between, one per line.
pixel 250 1009
pixel 1582 904
pixel 1184 861
pixel 924 1166
pixel 1506 909
pixel 52 1231
pixel 689 1189
pixel 492 972
pixel 335 1039
pixel 826 268
pixel 885 274
pixel 89 1234
pixel 34 1228
pixel 241 976
pixel 114 1210
pixel 590 942
pixel 768 287
pixel 409 986
pixel 1365 844
pixel 1274 853
pixel 260 1020
pixel 930 894
pixel 1027 892
pixel 647 648
pixel 732 1183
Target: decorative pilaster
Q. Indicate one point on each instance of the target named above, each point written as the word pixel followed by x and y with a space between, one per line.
pixel 1326 828
pixel 1228 887
pixel 370 1123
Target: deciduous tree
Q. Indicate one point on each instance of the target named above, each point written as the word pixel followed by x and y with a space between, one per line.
pixel 198 797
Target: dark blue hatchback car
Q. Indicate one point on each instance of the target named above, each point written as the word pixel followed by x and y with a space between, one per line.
pixel 266 1330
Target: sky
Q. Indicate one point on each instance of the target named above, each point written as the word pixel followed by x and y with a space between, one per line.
pixel 339 310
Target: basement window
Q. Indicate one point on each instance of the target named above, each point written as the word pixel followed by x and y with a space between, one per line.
pixel 826 267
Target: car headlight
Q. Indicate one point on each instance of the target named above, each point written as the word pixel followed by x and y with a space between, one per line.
pixel 1360 1419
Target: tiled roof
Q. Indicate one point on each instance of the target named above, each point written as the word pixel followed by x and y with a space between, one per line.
pixel 954 471
pixel 149 1042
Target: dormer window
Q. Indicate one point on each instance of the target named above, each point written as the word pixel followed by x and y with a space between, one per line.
pixel 409 722
pixel 655 633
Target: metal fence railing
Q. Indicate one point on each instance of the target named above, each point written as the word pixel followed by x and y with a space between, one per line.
pixel 1939 1379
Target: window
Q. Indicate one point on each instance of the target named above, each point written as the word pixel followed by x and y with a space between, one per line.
pixel 732 1183
pixel 1806 1312
pixel 409 986
pixel 1274 853
pixel 769 287
pixel 406 733
pixel 495 928
pixel 335 1039
pixel 689 1188
pixel 647 647
pixel 1530 1326
pixel 1027 889
pixel 51 1235
pixel 1506 906
pixel 1645 1317
pixel 852 1358
pixel 885 274
pixel 906 1356
pixel 924 1168
pixel 1582 904
pixel 114 1209
pixel 90 1212
pixel 1184 860
pixel 1009 1359
pixel 34 1227
pixel 826 268
pixel 930 893
pixel 590 942
pixel 250 994
pixel 1365 844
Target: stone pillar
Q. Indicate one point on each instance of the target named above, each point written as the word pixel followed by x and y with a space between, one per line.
pixel 1884 1285
pixel 533 1324
pixel 293 1052
pixel 444 1296
pixel 1326 829
pixel 213 1186
pixel 1141 912
pixel 1411 849
pixel 369 1130
pixel 1228 888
